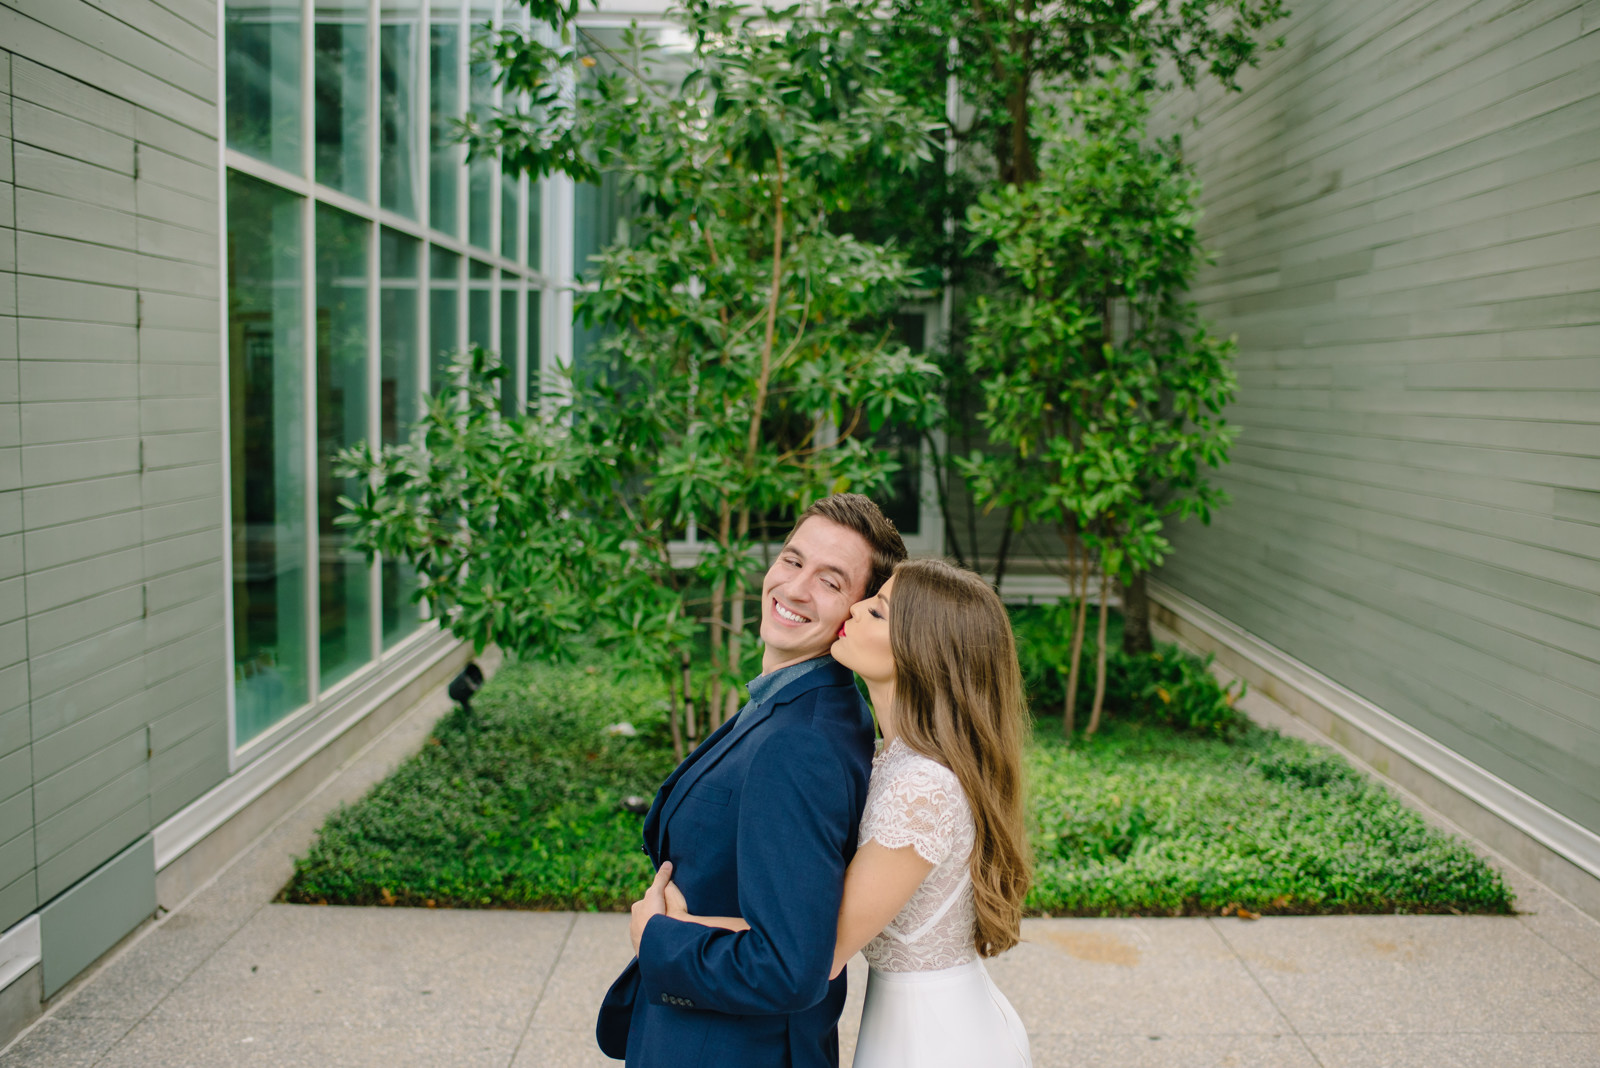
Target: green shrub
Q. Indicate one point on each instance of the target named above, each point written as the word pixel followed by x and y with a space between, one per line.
pixel 518 806
pixel 1167 685
pixel 515 805
pixel 1144 821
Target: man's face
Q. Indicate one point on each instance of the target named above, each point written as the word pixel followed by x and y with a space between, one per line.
pixel 809 589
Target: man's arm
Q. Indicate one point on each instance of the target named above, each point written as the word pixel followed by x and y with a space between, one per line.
pixel 796 815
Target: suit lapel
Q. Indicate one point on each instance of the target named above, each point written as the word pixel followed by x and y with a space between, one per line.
pixel 737 728
pixel 714 748
pixel 654 819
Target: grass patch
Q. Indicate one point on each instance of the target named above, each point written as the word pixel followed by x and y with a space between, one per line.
pixel 518 806
pixel 1144 821
pixel 513 806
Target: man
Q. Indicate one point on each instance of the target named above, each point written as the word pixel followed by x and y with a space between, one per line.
pixel 760 821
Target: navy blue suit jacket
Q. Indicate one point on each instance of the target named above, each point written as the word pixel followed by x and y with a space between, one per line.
pixel 760 821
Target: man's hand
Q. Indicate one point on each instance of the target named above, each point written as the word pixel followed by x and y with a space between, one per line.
pixel 654 903
pixel 677 904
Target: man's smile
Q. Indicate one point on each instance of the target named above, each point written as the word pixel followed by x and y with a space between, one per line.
pixel 786 614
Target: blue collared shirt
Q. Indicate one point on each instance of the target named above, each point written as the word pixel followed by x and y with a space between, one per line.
pixel 764 686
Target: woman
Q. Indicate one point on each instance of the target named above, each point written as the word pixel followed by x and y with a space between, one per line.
pixel 938 879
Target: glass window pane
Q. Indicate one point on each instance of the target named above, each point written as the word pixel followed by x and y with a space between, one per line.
pixel 344 596
pixel 535 348
pixel 399 355
pixel 267 453
pixel 399 30
pixel 340 62
pixel 399 398
pixel 599 220
pixel 901 499
pixel 535 249
pixel 444 315
pixel 510 216
pixel 263 79
pixel 478 301
pixel 480 172
pixel 444 105
pixel 508 347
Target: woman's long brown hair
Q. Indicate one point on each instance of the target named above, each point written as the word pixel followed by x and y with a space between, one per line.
pixel 958 698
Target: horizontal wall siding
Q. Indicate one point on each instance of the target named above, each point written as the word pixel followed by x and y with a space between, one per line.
pixel 1405 205
pixel 114 382
pixel 18 890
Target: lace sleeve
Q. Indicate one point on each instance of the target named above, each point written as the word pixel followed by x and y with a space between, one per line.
pixel 913 801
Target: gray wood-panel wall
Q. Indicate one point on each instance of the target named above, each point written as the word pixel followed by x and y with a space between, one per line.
pixel 1406 206
pixel 112 659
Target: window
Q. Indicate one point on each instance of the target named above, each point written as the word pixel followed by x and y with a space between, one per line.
pixel 399 61
pixel 267 452
pixel 344 579
pixel 341 61
pixel 263 79
pixel 401 369
pixel 349 289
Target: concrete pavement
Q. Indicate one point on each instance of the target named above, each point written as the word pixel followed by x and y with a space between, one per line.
pixel 228 978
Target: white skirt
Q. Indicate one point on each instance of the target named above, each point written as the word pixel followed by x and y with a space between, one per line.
pixel 952 1018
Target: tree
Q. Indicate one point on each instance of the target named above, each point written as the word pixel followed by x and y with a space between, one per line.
pixel 1007 59
pixel 747 354
pixel 1102 387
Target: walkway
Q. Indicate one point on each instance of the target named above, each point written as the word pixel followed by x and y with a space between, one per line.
pixel 230 979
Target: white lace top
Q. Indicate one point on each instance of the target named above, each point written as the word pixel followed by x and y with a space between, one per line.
pixel 913 800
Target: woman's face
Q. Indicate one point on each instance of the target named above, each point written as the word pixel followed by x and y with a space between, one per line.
pixel 863 642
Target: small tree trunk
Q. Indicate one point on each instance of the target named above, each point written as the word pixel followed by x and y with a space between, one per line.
pixel 736 626
pixel 735 648
pixel 719 604
pixel 688 698
pixel 1136 616
pixel 1005 548
pixel 674 715
pixel 1099 660
pixel 1080 620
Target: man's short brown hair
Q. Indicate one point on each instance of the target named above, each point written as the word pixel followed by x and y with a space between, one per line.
pixel 858 513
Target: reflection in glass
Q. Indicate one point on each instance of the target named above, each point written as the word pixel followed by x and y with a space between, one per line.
pixel 479 328
pixel 263 79
pixel 901 499
pixel 344 596
pixel 535 348
pixel 599 219
pixel 481 171
pixel 510 215
pixel 535 249
pixel 444 106
pixel 267 453
pixel 585 343
pixel 398 32
pixel 399 357
pixel 444 314
pixel 399 398
pixel 340 97
pixel 508 347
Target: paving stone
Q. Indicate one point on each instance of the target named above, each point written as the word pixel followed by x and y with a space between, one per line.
pixel 1423 974
pixel 1456 1051
pixel 596 951
pixel 1571 933
pixel 304 964
pixel 1141 977
pixel 545 1047
pixel 1182 1051
pixel 175 1043
pixel 55 1042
